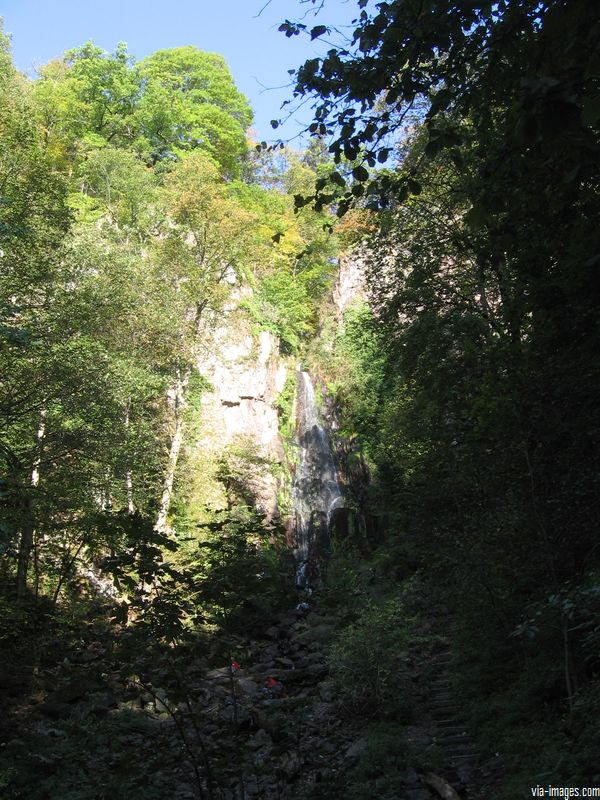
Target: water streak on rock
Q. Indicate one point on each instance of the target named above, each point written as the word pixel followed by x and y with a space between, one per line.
pixel 317 491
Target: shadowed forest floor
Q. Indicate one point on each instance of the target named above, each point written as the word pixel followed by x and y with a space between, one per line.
pixel 186 726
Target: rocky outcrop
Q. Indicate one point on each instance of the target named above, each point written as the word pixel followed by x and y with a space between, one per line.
pixel 247 377
pixel 349 287
pixel 239 418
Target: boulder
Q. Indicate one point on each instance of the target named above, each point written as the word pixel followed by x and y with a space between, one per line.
pixel 357 749
pixel 325 689
pixel 260 740
pixel 247 687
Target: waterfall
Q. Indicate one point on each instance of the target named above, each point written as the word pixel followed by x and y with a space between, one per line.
pixel 316 489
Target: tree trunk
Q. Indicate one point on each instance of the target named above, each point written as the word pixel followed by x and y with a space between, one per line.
pixel 441 786
pixel 129 484
pixel 128 475
pixel 28 534
pixel 179 403
pixel 25 547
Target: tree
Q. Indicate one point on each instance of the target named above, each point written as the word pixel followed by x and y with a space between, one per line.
pixel 484 254
pixel 169 104
pixel 293 264
pixel 33 220
pixel 481 276
pixel 189 102
pixel 238 570
pixel 205 245
pixel 122 185
pixel 456 57
pixel 77 319
pixel 88 98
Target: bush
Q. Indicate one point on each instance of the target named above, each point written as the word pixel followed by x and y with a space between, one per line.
pixel 364 662
pixel 381 768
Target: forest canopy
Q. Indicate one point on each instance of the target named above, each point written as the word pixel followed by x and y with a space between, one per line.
pixel 132 205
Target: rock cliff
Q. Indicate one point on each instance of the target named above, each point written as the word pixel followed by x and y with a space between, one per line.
pixel 239 418
pixel 349 287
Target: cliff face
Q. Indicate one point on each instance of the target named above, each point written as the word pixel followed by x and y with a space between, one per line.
pixel 239 421
pixel 238 436
pixel 349 287
pixel 248 376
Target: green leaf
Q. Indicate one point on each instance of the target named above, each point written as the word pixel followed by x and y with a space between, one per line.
pixel 349 151
pixel 360 173
pixel 300 201
pixel 432 148
pixel 342 208
pixel 402 194
pixel 440 102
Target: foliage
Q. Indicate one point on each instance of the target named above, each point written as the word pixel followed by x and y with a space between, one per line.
pixel 363 661
pixel 87 757
pixel 239 570
pixel 282 305
pixel 382 767
pixel 473 391
pixel 123 235
pixel 190 101
pixel 295 266
pixel 240 467
pixel 171 103
pixel 121 184
pixel 126 232
pixel 206 242
pixel 401 56
pixel 355 364
pixel 347 578
pixel 285 408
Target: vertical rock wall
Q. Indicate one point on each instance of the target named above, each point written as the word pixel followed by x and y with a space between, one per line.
pixel 239 419
pixel 349 287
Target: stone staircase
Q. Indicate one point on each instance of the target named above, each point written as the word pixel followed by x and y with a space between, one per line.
pixel 460 756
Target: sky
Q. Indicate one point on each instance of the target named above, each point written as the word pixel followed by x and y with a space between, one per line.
pixel 258 55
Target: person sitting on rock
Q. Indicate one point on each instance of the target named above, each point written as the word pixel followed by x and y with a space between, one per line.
pixel 273 688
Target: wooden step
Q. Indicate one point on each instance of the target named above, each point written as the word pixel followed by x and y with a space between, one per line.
pixel 457 749
pixel 453 738
pixel 449 707
pixel 465 758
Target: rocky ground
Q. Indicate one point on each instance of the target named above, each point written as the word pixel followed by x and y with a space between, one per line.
pixel 225 735
pixel 293 742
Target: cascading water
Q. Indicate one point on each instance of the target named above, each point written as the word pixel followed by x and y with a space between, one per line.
pixel 317 491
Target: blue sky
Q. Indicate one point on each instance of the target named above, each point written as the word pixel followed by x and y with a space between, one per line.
pixel 258 55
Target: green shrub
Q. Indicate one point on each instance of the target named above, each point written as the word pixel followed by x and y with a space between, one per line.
pixel 364 662
pixel 385 762
pixel 381 768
